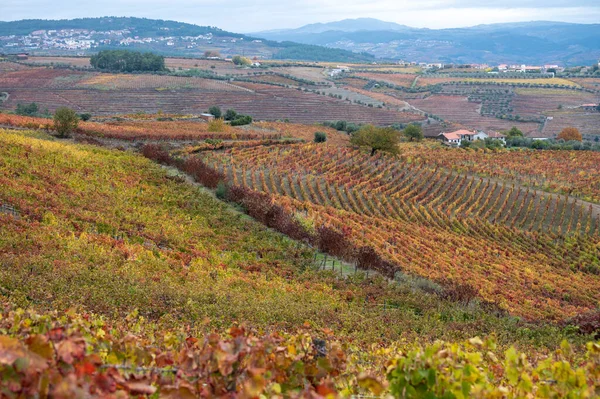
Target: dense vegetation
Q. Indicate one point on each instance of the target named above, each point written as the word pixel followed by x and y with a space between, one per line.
pixel 306 52
pixel 127 61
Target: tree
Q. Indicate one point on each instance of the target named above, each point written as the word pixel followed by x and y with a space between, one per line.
pixel 230 115
pixel 377 138
pixel 27 109
pixel 320 137
pixel 65 121
pixel 570 134
pixel 215 111
pixel 413 132
pixel 241 120
pixel 212 54
pixel 239 60
pixel 514 132
pixel 127 61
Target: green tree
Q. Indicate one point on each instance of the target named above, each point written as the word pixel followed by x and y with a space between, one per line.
pixel 413 132
pixel 215 111
pixel 211 53
pixel 127 61
pixel 377 139
pixel 27 109
pixel 65 121
pixel 239 60
pixel 241 120
pixel 230 115
pixel 320 137
pixel 514 132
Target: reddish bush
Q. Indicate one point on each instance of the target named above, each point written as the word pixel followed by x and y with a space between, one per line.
pixel 367 258
pixel 334 243
pixel 156 153
pixel 202 173
pixel 458 292
pixel 588 323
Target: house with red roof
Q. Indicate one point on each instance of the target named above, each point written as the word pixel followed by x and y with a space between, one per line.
pixel 458 137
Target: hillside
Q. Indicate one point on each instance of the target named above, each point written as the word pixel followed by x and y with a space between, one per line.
pixel 169 38
pixel 533 43
pixel 124 263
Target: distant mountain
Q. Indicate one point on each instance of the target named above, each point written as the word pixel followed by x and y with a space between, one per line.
pixel 346 25
pixel 539 42
pixel 170 38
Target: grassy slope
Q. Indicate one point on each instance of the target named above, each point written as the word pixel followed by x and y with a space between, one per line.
pixel 110 232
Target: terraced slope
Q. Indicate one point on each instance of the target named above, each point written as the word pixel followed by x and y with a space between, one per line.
pixel 533 253
pixel 111 232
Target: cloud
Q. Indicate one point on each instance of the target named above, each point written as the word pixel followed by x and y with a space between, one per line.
pixel 248 16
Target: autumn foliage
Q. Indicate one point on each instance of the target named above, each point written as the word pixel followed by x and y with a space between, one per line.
pixel 570 134
pixel 394 216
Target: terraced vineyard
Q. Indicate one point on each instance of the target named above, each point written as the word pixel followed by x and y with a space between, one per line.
pixel 459 109
pixel 566 172
pixel 532 253
pixel 109 94
pixel 587 122
pixel 537 101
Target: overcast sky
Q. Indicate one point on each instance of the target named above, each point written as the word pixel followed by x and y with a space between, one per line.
pixel 250 16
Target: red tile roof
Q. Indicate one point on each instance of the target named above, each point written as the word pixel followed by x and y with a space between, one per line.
pixel 451 136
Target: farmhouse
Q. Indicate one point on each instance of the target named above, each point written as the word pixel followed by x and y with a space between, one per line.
pixel 458 137
pixel 451 139
pixel 497 136
pixel 207 117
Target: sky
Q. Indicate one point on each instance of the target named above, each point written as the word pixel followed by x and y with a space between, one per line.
pixel 245 16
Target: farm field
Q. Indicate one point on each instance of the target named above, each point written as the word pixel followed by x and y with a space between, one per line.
pixel 400 79
pixel 587 122
pixel 139 82
pixel 532 81
pixel 572 172
pixel 588 83
pixel 416 217
pixel 263 102
pixel 109 94
pixel 126 266
pixel 314 74
pixel 390 101
pixel 537 101
pixel 147 127
pixel 458 109
pixel 81 62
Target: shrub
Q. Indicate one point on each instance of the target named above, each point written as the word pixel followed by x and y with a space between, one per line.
pixel 215 111
pixel 85 117
pixel 230 115
pixel 221 191
pixel 241 120
pixel 27 109
pixel 156 153
pixel 320 137
pixel 65 121
pixel 217 126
